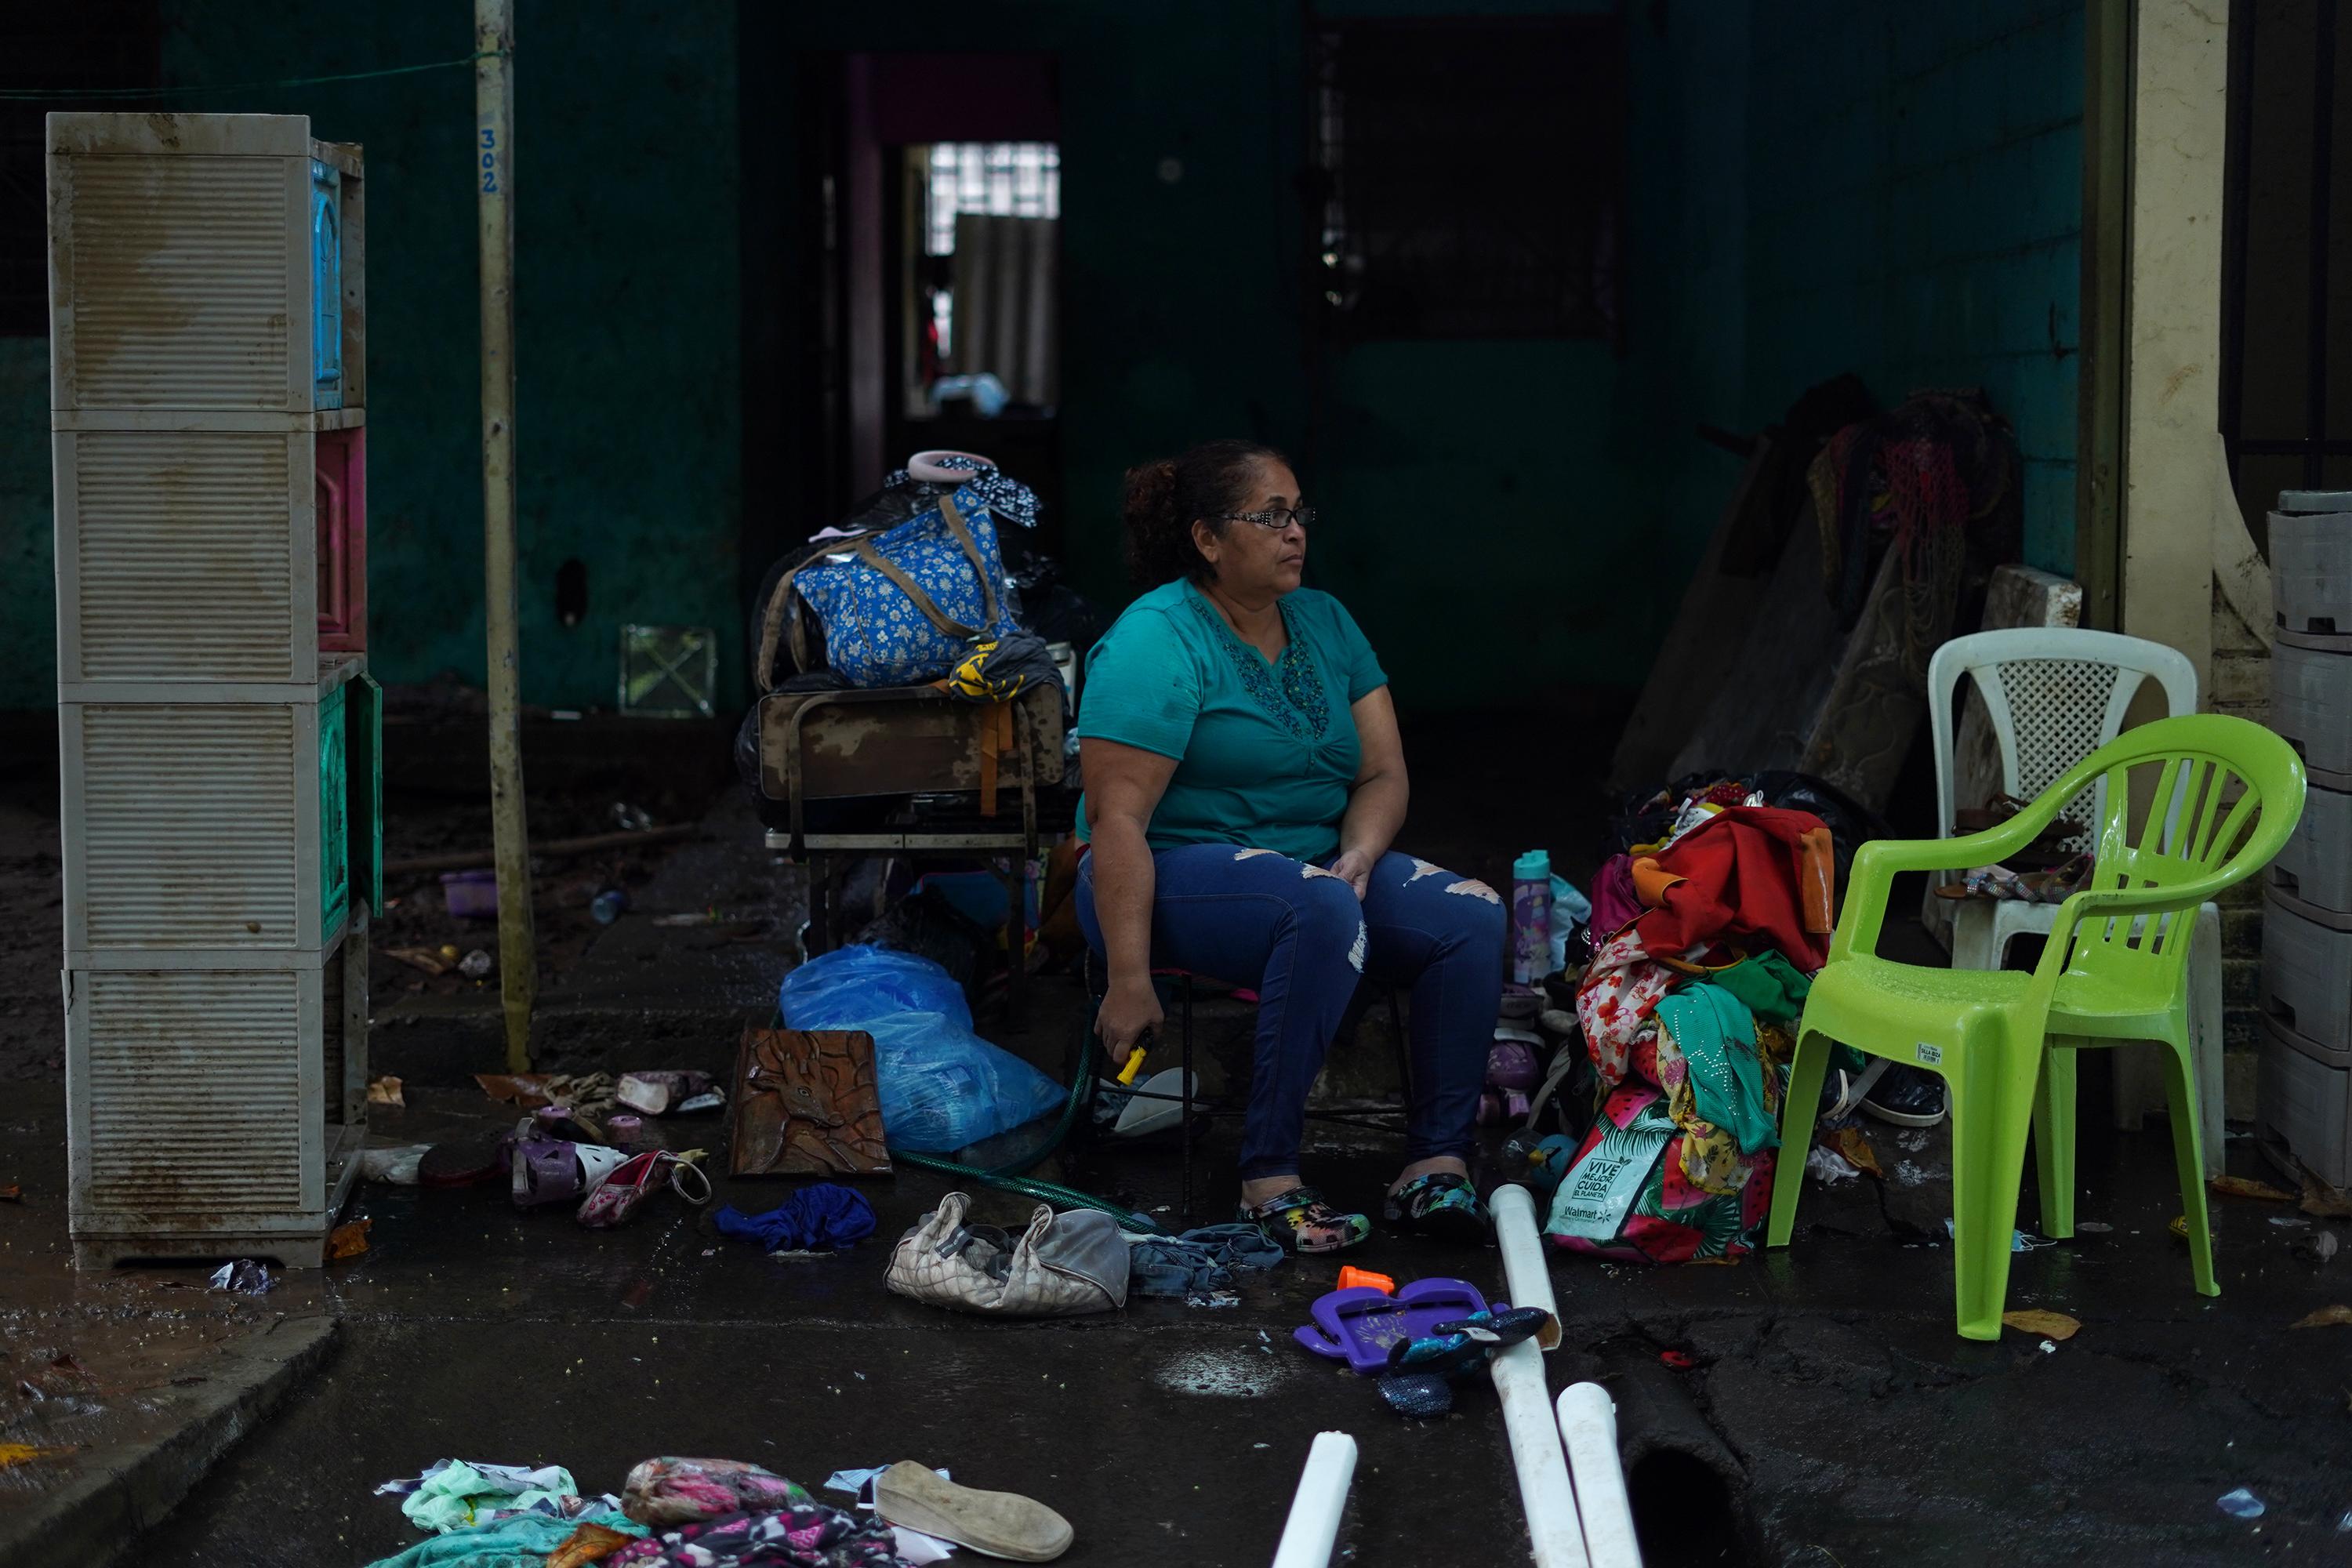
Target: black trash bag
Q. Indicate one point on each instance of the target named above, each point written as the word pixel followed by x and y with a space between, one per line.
pixel 1055 611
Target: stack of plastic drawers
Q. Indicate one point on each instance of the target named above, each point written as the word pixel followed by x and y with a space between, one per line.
pixel 2305 1101
pixel 218 731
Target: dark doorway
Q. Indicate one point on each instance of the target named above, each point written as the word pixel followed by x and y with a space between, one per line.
pixel 2287 268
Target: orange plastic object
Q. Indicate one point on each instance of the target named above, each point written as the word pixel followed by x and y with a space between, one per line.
pixel 1350 1277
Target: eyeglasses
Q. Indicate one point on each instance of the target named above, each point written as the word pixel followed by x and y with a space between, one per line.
pixel 1273 517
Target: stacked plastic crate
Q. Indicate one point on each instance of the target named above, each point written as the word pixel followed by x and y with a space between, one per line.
pixel 2305 1096
pixel 218 731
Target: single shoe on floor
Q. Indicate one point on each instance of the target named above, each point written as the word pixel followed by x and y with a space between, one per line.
pixel 1908 1097
pixel 994 1525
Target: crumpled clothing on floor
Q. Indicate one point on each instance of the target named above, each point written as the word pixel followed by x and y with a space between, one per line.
pixel 825 1217
pixel 808 1536
pixel 1199 1263
pixel 459 1494
pixel 521 1541
pixel 669 1491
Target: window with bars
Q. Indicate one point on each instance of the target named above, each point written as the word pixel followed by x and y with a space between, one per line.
pixel 1470 176
pixel 999 179
pixel 46 49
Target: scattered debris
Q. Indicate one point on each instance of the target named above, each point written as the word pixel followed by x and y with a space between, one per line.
pixel 2241 1504
pixel 589 1543
pixel 676 1091
pixel 348 1240
pixel 2319 1247
pixel 2247 1187
pixel 423 958
pixel 2018 1240
pixel 386 1091
pixel 1681 1361
pixel 475 965
pixel 584 1092
pixel 2321 1201
pixel 1855 1147
pixel 2289 1222
pixel 13 1454
pixel 401 1166
pixel 2095 1226
pixel 245 1277
pixel 708 917
pixel 470 895
pixel 12 1194
pixel 608 905
pixel 1827 1166
pixel 2050 1325
pixel 2339 1315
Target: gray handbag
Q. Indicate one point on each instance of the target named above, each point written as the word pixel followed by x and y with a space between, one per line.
pixel 1062 1266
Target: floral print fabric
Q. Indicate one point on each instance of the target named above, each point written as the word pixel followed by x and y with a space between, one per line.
pixel 807 1535
pixel 874 633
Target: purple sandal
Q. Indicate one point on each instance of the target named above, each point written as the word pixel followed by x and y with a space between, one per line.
pixel 1360 1325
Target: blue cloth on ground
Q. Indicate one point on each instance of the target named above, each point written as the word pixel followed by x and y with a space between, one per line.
pixel 826 1217
pixel 1199 1262
pixel 522 1542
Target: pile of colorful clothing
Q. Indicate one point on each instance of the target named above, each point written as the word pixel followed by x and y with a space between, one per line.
pixel 1704 942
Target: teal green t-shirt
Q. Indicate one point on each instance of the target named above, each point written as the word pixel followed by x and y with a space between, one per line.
pixel 1266 753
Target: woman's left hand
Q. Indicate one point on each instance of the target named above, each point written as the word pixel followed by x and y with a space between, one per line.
pixel 1354 868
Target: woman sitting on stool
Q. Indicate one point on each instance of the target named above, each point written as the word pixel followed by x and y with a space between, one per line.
pixel 1243 778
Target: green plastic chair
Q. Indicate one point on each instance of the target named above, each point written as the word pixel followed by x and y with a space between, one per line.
pixel 2115 969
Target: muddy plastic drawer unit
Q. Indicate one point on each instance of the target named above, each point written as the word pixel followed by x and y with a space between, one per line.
pixel 218 733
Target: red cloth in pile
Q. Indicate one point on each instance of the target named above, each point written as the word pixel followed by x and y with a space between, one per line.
pixel 1752 871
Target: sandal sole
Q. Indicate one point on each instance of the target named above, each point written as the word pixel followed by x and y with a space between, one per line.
pixel 994 1525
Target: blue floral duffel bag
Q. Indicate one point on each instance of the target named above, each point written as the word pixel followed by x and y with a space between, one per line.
pixel 905 605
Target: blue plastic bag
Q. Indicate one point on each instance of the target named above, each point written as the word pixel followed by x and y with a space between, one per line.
pixel 942 1087
pixel 841 989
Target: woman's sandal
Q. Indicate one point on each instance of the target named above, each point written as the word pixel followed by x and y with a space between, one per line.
pixel 1439 1204
pixel 1300 1221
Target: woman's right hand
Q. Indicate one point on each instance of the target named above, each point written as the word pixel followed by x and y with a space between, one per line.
pixel 1129 1014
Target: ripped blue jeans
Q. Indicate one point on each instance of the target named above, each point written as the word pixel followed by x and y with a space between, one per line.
pixel 1298 936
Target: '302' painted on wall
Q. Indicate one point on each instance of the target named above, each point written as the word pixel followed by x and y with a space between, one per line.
pixel 490 156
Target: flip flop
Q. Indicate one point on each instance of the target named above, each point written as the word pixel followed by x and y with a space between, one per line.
pixel 1361 1326
pixel 994 1525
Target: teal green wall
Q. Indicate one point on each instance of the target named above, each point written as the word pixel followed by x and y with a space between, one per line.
pixel 1812 186
pixel 627 444
pixel 28 625
pixel 1938 239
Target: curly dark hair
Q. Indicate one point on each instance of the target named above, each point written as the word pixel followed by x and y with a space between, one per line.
pixel 1162 499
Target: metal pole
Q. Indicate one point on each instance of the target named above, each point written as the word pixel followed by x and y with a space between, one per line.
pixel 510 834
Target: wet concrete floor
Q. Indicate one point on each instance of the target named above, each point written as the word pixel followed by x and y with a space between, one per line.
pixel 1862 1429
pixel 1867 1431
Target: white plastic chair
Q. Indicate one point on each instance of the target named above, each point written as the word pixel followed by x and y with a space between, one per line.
pixel 2054 695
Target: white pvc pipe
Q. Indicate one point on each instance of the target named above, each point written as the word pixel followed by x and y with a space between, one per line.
pixel 1313 1527
pixel 1525 1272
pixel 1588 1424
pixel 1553 1530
